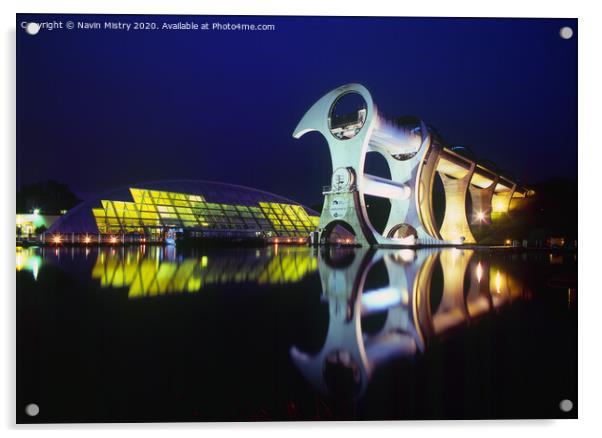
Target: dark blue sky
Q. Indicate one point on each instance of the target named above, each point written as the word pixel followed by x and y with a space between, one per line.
pixel 103 109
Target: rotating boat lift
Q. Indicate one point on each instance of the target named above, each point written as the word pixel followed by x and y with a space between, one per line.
pixel 413 158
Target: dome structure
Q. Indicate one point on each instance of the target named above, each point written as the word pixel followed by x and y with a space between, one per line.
pixel 200 208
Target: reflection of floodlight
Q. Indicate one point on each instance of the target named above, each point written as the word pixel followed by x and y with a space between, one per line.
pixel 498 282
pixel 479 272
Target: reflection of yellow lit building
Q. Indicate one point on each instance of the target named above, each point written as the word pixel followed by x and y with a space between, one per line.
pixel 147 275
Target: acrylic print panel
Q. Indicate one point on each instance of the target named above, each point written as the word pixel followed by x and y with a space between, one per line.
pixel 235 218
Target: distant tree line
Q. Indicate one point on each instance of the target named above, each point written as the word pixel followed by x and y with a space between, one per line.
pixel 49 197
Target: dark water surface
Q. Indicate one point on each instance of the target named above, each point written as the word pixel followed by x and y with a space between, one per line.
pixel 294 333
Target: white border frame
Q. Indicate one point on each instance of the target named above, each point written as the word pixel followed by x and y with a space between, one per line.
pixel 590 154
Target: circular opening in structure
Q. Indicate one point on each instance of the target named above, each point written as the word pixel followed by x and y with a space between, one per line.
pixel 439 201
pixel 402 232
pixel 338 233
pixel 408 129
pixel 378 210
pixel 347 115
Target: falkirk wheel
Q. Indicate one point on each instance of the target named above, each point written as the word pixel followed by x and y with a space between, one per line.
pixel 413 159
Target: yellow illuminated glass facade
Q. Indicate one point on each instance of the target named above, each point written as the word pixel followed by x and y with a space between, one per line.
pixel 146 275
pixel 152 211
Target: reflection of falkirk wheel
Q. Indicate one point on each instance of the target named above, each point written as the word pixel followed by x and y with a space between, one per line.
pixel 412 160
pixel 345 363
pixel 349 356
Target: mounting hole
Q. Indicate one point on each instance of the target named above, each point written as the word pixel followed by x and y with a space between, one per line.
pixel 32 28
pixel 347 115
pixel 566 405
pixel 32 409
pixel 566 33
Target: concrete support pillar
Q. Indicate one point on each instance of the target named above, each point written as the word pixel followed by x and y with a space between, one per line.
pixel 424 189
pixel 500 203
pixel 455 223
pixel 344 207
pixel 481 203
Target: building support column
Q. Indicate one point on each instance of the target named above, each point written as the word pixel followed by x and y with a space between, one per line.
pixel 455 223
pixel 344 207
pixel 481 203
pixel 500 203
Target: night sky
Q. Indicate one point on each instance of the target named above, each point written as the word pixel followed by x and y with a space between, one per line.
pixel 102 109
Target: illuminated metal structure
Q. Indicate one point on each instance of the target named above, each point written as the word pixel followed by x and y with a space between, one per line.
pixel 199 208
pixel 414 156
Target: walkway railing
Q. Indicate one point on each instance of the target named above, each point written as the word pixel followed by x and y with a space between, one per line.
pixel 331 189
